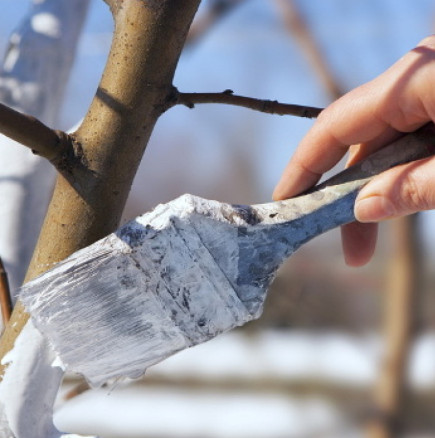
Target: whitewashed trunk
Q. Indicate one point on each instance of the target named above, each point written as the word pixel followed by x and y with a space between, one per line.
pixel 33 77
pixel 32 80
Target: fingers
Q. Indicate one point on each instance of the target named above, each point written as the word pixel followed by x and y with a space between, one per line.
pixel 397 192
pixel 359 242
pixel 360 151
pixel 400 100
pixel 327 142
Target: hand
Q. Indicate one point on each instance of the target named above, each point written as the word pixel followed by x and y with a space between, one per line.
pixel 369 117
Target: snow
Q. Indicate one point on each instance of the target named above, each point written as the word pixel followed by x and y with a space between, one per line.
pixel 187 413
pixel 279 354
pixel 27 407
pixel 422 362
pixel 211 407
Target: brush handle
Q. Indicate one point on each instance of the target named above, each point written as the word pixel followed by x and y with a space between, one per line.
pixel 411 147
pixel 331 203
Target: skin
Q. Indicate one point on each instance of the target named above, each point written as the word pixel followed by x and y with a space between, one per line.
pixel 369 117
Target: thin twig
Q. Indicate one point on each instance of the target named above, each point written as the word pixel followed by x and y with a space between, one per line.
pixel 5 295
pixel 229 98
pixel 32 133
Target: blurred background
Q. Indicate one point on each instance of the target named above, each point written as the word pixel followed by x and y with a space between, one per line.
pixel 339 351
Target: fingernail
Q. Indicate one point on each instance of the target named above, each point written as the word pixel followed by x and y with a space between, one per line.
pixel 373 209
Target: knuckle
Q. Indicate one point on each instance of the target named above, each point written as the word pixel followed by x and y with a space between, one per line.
pixel 428 41
pixel 412 196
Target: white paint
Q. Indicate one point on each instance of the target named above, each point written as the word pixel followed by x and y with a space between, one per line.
pixel 192 412
pixel 32 80
pixel 46 24
pixel 27 409
pixel 20 174
pixel 173 278
pixel 29 388
pixel 146 292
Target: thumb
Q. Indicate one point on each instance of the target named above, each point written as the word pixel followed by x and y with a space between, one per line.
pixel 399 191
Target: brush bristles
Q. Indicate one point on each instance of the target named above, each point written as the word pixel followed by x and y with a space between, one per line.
pixel 134 298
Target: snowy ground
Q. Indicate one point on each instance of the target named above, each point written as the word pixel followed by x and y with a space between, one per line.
pixel 262 367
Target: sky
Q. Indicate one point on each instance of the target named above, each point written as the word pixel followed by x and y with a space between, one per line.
pixel 251 53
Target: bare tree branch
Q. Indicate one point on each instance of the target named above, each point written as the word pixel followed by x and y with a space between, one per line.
pixel 32 133
pixel 5 295
pixel 229 98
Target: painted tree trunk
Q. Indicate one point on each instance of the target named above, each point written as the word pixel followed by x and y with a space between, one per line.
pixel 33 78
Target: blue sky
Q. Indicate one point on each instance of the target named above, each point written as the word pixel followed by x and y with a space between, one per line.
pixel 251 53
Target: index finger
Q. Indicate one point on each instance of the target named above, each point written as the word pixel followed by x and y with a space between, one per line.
pixel 399 100
pixel 340 125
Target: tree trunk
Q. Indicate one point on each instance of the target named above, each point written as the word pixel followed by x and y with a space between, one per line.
pixel 33 79
pixel 399 320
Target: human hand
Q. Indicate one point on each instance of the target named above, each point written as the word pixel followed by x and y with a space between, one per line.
pixel 369 117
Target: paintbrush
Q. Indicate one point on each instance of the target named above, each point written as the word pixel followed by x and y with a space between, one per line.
pixel 187 271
